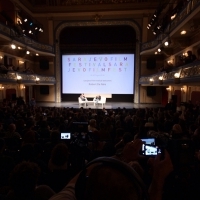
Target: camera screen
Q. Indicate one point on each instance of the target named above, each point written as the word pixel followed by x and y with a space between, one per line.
pixel 148 141
pixel 151 150
pixel 65 136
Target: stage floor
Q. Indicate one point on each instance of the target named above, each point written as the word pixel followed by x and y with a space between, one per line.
pixel 108 105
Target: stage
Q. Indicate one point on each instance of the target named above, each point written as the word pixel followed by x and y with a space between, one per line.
pixel 108 105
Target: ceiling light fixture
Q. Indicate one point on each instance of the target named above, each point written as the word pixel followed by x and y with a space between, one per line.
pixel 183 32
pixel 13 46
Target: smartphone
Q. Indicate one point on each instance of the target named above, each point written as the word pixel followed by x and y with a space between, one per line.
pixel 65 136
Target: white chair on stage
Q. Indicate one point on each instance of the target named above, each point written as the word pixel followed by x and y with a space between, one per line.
pixel 102 101
pixel 81 102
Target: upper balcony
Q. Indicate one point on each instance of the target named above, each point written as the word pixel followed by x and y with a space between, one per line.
pixel 185 74
pixel 8 35
pixel 26 78
pixel 187 18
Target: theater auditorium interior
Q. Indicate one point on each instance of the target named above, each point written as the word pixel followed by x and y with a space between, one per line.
pixel 141 56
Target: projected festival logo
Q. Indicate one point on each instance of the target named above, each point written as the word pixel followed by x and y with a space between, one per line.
pixel 98 70
pixel 97 64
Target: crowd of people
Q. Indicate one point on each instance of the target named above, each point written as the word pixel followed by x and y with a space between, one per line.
pixel 35 163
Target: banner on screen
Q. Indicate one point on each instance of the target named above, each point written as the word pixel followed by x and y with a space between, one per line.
pixel 102 73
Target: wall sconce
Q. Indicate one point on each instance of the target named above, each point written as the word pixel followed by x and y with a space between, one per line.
pixel 168 89
pixel 19 79
pixel 170 62
pixel 160 80
pixel 183 89
pixel 37 80
pixel 151 81
pixel 1 87
pixel 22 87
pixel 177 78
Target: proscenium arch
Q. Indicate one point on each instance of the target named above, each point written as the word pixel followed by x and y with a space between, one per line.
pixel 85 24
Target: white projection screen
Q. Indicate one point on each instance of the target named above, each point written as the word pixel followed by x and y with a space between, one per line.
pixel 98 74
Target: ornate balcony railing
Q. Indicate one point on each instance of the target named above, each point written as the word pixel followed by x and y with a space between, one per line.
pixel 28 42
pixel 25 78
pixel 186 74
pixel 193 5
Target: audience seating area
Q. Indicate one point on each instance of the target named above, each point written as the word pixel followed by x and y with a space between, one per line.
pixel 29 135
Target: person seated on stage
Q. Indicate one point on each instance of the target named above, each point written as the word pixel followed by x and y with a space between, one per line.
pixel 83 98
pixel 97 99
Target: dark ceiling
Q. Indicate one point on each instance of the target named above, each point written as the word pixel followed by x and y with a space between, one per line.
pixel 98 38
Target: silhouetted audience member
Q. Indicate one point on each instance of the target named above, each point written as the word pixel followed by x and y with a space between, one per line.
pixel 190 57
pixel 59 169
pixel 23 183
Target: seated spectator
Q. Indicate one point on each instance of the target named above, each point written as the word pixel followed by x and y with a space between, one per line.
pixel 7 164
pixel 59 169
pixel 149 123
pixel 92 126
pixel 176 132
pixel 190 57
pixel 32 103
pixel 11 133
pixel 180 61
pixel 23 183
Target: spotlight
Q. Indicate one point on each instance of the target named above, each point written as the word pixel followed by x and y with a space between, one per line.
pixel 31 23
pixel 25 20
pixel 159 50
pixel 166 43
pixel 27 52
pixel 13 46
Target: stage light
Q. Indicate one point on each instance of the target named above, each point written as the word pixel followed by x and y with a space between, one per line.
pixel 27 52
pixel 37 54
pixel 25 20
pixel 31 23
pixel 173 16
pixel 183 32
pixel 166 43
pixel 13 46
pixel 159 50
